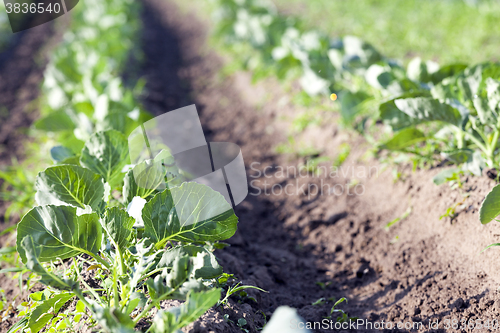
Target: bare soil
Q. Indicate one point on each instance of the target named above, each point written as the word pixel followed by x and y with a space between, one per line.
pixel 423 269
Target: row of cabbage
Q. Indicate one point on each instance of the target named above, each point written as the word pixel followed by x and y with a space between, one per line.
pixel 108 250
pixel 433 111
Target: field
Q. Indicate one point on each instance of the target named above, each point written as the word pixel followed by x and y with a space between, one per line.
pixel 443 31
pixel 368 133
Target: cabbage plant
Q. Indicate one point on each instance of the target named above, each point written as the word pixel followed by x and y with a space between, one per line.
pixel 119 250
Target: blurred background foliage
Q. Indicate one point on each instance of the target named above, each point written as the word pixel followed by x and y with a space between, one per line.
pixel 441 30
pixel 5 31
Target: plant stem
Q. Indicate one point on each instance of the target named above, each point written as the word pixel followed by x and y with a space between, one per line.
pixel 144 312
pixel 115 287
pixel 157 270
pixel 99 259
pixel 121 262
pixel 88 291
pixel 493 146
pixel 121 266
pixel 79 293
pixel 477 142
pixel 460 139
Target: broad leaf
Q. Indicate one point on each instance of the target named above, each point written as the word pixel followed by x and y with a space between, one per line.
pixel 163 287
pixel 445 90
pixel 69 184
pixel 404 138
pixel 113 320
pixel 446 71
pixel 359 50
pixel 74 160
pixel 468 83
pixel 106 153
pixel 84 107
pixel 491 206
pixel 493 93
pixel 428 109
pixel 136 299
pixel 176 318
pixel 446 175
pixel 29 249
pixel 60 153
pixel 417 70
pixel 176 281
pixel 118 225
pixel 179 273
pixel 70 140
pixel 486 102
pixel 57 232
pixel 131 189
pixel 379 76
pixel 45 311
pixel 463 87
pixel 55 121
pixel 390 80
pixel 157 288
pixel 351 104
pixel 118 121
pixel 205 264
pixel 189 213
pixel 143 180
pixel 476 164
pixel 197 303
pixel 458 156
pixel 394 117
pixel 150 176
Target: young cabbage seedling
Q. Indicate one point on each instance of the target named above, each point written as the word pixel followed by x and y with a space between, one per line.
pixel 84 245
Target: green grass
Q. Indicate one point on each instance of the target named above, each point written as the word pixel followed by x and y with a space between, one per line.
pixel 441 30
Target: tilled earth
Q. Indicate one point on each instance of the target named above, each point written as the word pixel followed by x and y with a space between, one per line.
pixel 325 236
pixel 304 237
